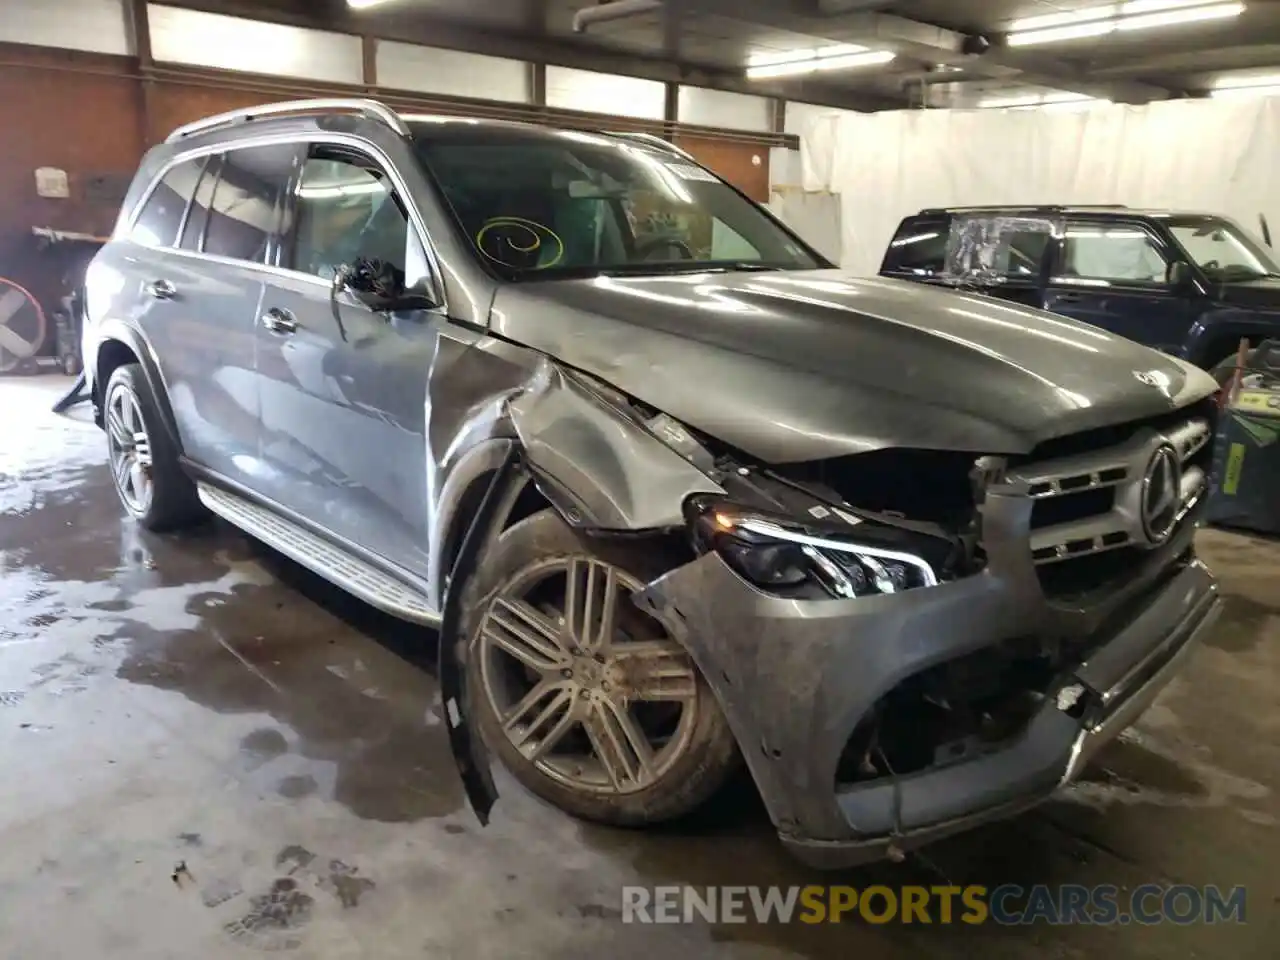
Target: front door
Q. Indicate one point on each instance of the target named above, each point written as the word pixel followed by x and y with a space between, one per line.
pixel 1114 275
pixel 344 387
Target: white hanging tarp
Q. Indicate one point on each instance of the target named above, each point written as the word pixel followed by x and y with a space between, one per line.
pixel 1215 156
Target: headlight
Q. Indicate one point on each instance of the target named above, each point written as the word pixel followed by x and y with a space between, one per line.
pixel 792 559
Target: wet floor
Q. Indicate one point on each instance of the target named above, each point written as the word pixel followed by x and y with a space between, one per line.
pixel 209 753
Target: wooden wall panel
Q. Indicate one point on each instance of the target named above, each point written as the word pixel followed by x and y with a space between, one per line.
pixel 94 115
pixel 77 112
pixel 744 165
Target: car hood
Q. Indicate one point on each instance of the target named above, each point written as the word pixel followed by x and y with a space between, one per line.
pixel 804 365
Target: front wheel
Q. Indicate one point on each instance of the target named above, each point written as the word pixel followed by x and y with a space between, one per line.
pixel 588 700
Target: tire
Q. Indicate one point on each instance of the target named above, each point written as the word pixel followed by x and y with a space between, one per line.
pixel 687 766
pixel 141 454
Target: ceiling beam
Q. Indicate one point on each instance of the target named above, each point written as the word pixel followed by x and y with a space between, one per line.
pixel 410 25
pixel 933 45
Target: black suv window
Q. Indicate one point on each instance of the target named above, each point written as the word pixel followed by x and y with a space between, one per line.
pixel 346 207
pixel 158 222
pixel 1110 251
pixel 919 247
pixel 244 206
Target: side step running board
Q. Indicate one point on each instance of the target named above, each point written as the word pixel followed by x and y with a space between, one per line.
pixel 317 554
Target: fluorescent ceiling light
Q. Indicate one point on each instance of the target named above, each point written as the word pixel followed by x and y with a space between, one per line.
pixel 824 61
pixel 800 56
pixel 1241 83
pixel 1108 11
pixel 1135 15
pixel 1038 101
pixel 1253 90
pixel 1053 34
pixel 364 4
pixel 1169 18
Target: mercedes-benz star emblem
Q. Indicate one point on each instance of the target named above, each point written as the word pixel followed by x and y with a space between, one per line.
pixel 1160 500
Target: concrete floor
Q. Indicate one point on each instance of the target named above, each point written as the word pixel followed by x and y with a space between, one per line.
pixel 208 753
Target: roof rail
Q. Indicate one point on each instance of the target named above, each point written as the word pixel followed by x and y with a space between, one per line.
pixel 1053 207
pixel 365 108
pixel 653 140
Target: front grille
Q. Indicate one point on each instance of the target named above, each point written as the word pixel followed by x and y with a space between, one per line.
pixel 1118 500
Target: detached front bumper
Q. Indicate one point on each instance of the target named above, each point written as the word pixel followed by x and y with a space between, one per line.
pixel 796 677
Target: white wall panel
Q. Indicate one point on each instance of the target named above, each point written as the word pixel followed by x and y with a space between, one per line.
pixel 719 108
pixel 570 89
pixel 94 25
pixel 230 43
pixel 406 66
pixel 1212 155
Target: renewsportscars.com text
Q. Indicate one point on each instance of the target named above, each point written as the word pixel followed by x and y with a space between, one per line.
pixel 1009 904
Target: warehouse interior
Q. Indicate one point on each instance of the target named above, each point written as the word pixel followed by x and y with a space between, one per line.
pixel 213 751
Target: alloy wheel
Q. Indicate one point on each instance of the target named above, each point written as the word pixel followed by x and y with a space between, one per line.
pixel 589 688
pixel 129 449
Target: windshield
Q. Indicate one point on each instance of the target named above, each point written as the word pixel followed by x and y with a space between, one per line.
pixel 1223 250
pixel 541 204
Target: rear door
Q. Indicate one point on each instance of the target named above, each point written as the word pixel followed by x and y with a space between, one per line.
pixel 1114 274
pixel 344 387
pixel 197 314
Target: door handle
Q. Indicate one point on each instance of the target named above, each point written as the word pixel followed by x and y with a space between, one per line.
pixel 279 321
pixel 161 289
pixel 1070 297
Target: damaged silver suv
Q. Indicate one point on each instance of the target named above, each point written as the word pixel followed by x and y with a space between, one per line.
pixel 678 493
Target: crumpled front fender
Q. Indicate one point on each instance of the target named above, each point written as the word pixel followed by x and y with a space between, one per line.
pixel 601 468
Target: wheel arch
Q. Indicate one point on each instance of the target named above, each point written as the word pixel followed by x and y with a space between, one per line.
pixel 120 344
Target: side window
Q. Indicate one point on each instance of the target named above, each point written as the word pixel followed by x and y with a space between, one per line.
pixel 919 248
pixel 245 204
pixel 160 219
pixel 345 209
pixel 1110 253
pixel 198 213
pixel 1023 256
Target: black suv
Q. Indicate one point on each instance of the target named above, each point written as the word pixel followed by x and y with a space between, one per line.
pixel 1190 284
pixel 677 493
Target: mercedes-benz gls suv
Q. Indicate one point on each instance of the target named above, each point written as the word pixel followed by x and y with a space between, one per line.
pixel 911 555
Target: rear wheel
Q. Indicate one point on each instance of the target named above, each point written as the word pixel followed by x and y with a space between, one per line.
pixel 143 458
pixel 587 699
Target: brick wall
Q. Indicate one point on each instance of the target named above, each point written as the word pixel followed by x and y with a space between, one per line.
pixel 77 112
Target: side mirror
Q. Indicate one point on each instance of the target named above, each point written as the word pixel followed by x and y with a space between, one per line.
pixel 1180 277
pixel 379 285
